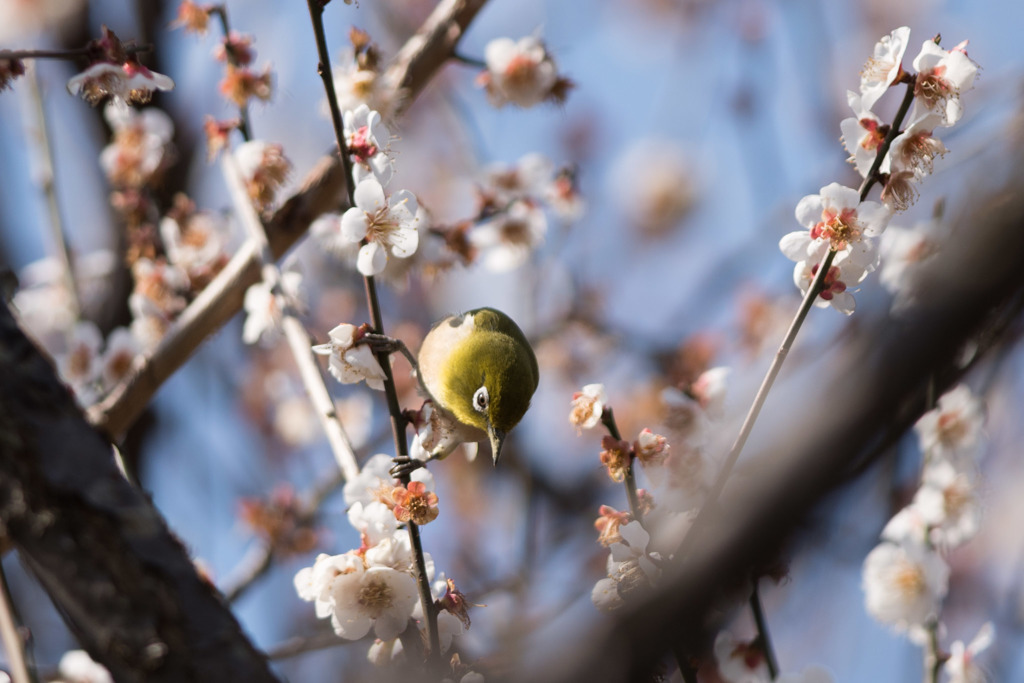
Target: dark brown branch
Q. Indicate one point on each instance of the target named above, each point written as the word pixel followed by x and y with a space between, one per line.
pixel 888 369
pixel 323 190
pixel 124 584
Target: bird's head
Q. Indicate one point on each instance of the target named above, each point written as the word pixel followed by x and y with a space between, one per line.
pixel 490 376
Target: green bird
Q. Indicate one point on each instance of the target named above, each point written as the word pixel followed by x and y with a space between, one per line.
pixel 479 367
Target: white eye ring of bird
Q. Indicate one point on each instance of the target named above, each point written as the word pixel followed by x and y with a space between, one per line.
pixel 481 399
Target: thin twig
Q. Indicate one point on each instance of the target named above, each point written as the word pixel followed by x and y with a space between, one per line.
pixel 787 343
pixel 398 422
pixel 608 420
pixel 67 54
pixel 222 13
pixel 932 661
pixel 13 644
pixel 295 333
pixel 303 644
pixel 45 178
pixel 763 636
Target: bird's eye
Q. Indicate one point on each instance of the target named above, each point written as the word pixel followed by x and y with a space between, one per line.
pixel 481 399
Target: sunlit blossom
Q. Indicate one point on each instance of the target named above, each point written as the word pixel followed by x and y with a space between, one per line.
pixel 884 66
pixel 941 78
pixel 387 224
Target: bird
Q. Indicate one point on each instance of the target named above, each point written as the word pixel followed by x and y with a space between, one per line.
pixel 479 367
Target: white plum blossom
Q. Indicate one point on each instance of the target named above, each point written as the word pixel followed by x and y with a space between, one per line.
pixel 369 144
pixel 263 168
pixel 518 72
pixel 837 216
pixel 948 502
pixel 941 77
pixel 904 584
pixel 841 280
pixel 884 66
pixel 80 365
pixel 195 243
pixel 953 428
pixel 739 661
pixel 916 148
pixel 355 86
pixel 265 306
pixel 588 406
pixel 710 389
pixel 76 666
pixel 140 145
pixel 313 584
pixel 129 82
pixel 904 252
pixel 862 136
pixel 961 667
pixel 119 356
pixel 507 240
pixel 373 520
pixel 358 598
pixel 387 224
pixel 348 362
pixel 909 525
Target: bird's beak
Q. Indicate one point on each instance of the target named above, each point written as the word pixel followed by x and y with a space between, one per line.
pixel 497 438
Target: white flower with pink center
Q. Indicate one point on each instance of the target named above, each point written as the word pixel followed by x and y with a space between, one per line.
pixel 884 67
pixel 739 661
pixel 369 144
pixel 840 281
pixel 941 77
pixel 386 224
pixel 863 135
pixel 837 216
pixel 518 72
pixel 140 144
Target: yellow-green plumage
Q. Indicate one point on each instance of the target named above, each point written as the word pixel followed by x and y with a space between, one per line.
pixel 482 348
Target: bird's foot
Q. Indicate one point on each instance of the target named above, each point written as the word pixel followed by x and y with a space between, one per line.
pixel 405 466
pixel 381 343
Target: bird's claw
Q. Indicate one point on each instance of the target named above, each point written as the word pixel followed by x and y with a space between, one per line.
pixel 405 466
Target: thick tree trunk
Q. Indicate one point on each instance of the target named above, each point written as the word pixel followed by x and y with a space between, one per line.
pixel 124 583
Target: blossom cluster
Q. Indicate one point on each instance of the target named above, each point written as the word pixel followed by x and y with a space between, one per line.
pixel 642 539
pixel 89 364
pixel 838 219
pixel 374 586
pixel 511 220
pixel 379 224
pixel 116 73
pixel 639 539
pixel 906 577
